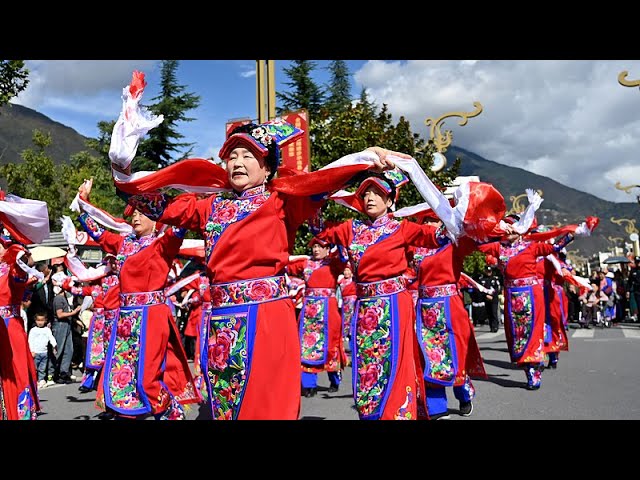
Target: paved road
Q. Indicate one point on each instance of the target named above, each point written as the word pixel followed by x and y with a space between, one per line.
pixel 598 379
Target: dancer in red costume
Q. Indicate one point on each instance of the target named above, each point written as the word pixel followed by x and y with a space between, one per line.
pixel 145 369
pixel 387 376
pixel 349 297
pixel 445 334
pixel 27 221
pixel 524 295
pixel 320 323
pixel 450 354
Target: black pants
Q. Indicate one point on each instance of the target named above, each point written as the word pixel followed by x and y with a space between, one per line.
pixel 492 314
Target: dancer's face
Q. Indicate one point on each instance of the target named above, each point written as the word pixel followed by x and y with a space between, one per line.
pixel 245 170
pixel 376 202
pixel 319 252
pixel 142 225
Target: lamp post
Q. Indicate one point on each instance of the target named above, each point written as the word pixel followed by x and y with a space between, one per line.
pixel 266 89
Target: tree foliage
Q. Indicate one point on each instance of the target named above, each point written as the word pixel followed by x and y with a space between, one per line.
pixel 38 178
pixel 339 88
pixel 474 264
pixel 14 78
pixel 304 92
pixel 162 146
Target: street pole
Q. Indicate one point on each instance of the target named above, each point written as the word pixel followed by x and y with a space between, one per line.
pixel 266 90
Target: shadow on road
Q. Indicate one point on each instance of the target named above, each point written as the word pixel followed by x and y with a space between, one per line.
pixel 324 395
pixel 82 417
pixel 73 399
pixel 502 364
pixel 204 412
pixel 503 382
pixel 505 350
pixel 310 417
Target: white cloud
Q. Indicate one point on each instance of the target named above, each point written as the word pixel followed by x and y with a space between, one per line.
pixel 73 82
pixel 567 120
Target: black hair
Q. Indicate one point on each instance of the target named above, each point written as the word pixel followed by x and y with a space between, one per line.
pixel 273 155
pixel 41 314
pixel 362 176
pixel 562 256
pixel 514 216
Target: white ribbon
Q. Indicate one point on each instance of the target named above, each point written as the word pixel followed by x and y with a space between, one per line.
pixel 133 123
pixel 433 196
pixel 25 268
pixel 30 217
pixel 180 284
pixel 556 263
pixel 526 219
pixel 99 215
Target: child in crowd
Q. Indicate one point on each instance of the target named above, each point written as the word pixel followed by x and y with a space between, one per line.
pixel 39 339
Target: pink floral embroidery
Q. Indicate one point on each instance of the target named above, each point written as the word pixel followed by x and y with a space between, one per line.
pixel 228 208
pixel 132 245
pixel 248 291
pixel 383 287
pixel 366 234
pixel 435 291
pixel 142 298
pixel 373 354
pixel 313 330
pixel 521 319
pixel 435 341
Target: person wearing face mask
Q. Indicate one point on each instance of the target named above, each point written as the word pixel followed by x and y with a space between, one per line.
pixel 320 324
pixel 145 370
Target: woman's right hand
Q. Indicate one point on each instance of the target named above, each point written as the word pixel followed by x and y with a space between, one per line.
pixel 85 189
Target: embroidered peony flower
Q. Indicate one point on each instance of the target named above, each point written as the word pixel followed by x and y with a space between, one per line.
pixel 122 376
pixel 259 290
pixel 429 318
pixel 369 376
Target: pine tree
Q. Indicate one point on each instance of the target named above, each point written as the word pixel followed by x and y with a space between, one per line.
pixel 304 92
pixel 339 89
pixel 13 79
pixel 162 147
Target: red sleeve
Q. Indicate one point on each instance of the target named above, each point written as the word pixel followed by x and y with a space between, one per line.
pixel 492 249
pixel 187 211
pixel 466 246
pixel 109 242
pixel 543 249
pixel 419 235
pixel 195 299
pixel 169 244
pixel 299 209
pixel 338 235
pixel 296 268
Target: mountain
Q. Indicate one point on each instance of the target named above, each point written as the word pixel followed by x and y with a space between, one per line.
pixel 17 124
pixel 561 204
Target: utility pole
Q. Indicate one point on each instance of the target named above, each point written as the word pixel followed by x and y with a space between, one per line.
pixel 266 90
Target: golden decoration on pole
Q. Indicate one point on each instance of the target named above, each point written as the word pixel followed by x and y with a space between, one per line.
pixel 616 240
pixel 626 189
pixel 622 80
pixel 630 224
pixel 443 141
pixel 516 206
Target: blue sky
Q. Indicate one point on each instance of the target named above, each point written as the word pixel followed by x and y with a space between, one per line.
pixel 569 120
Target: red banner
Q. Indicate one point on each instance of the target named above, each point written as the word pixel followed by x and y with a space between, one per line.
pixel 296 155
